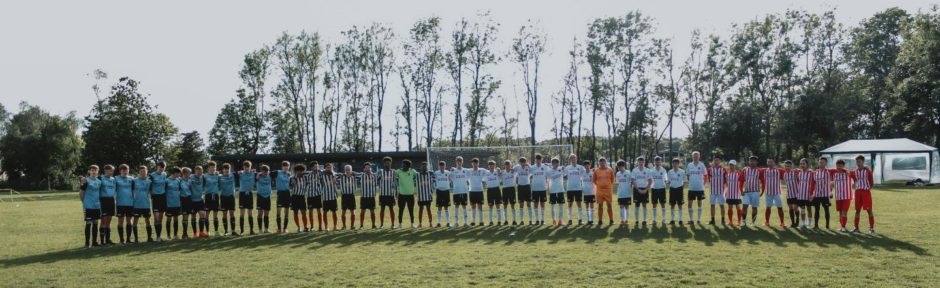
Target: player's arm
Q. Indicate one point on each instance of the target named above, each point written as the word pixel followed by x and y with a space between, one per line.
pixel 763 182
pixel 81 191
pixel 871 178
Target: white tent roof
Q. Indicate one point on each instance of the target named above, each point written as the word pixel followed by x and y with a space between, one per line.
pixel 879 145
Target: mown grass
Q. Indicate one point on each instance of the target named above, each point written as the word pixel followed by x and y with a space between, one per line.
pixel 42 237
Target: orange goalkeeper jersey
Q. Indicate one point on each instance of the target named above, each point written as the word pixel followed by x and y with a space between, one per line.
pixel 604 179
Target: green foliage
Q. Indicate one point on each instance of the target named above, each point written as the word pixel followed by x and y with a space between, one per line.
pixel 916 78
pixel 189 150
pixel 40 150
pixel 235 126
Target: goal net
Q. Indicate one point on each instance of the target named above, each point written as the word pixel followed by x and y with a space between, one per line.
pixel 496 153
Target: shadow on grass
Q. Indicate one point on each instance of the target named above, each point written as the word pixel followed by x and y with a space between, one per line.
pixel 498 235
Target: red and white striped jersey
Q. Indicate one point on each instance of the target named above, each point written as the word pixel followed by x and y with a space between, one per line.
pixel 863 178
pixel 772 177
pixel 735 182
pixel 823 179
pixel 843 183
pixel 753 179
pixel 791 180
pixel 716 180
pixel 804 184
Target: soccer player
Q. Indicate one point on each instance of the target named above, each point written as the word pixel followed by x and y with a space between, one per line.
pixel 328 182
pixel 524 190
pixel 368 183
pixel 299 187
pixel 282 184
pixel 405 180
pixel 314 195
pixel 142 188
pixel 822 177
pixel 539 181
pixel 246 183
pixel 158 197
pixel 804 192
pixel 507 179
pixel 493 194
pixel 604 179
pixel 557 188
pixel 186 201
pixel 442 189
pixel 227 198
pixel 696 171
pixel 575 194
pixel 173 205
pixel 624 191
pixel 753 182
pixel 659 176
pixel 460 179
pixel 476 192
pixel 198 182
pixel 716 185
pixel 771 191
pixel 347 187
pixel 735 183
pixel 108 192
pixel 125 202
pixel 863 182
pixel 641 189
pixel 425 193
pixel 212 195
pixel 90 195
pixel 263 183
pixel 587 187
pixel 677 180
pixel 387 191
pixel 790 178
pixel 842 179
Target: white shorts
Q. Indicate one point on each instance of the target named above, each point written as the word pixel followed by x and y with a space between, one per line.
pixel 716 199
pixel 751 199
pixel 773 201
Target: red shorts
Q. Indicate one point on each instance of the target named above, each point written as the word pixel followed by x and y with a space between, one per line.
pixel 862 200
pixel 843 205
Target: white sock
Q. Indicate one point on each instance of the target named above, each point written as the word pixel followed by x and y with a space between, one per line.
pixel 570 214
pixel 654 214
pixel 561 212
pixel 464 215
pixel 531 212
pixel 690 213
pixel 438 216
pixel 699 214
pixel 663 212
pixel 447 215
pixel 644 213
pixel 636 213
pixel 680 215
pixel 580 214
pixel 623 214
pixel 553 212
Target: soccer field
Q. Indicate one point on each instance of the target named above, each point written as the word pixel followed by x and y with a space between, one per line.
pixel 43 238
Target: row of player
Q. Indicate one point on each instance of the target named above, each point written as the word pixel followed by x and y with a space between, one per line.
pixel 192 194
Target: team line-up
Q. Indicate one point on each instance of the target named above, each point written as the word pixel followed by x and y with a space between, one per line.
pixel 312 193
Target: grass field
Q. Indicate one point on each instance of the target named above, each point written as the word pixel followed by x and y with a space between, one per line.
pixel 42 237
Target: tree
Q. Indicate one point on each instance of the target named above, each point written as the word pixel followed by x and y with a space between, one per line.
pixel 456 61
pixel 380 63
pixel 41 150
pixel 254 75
pixel 124 128
pixel 423 54
pixel 916 75
pixel 483 84
pixel 527 50
pixel 298 60
pixel 190 150
pixel 236 126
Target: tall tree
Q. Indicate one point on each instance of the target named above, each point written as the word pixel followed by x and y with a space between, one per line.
pixel 483 84
pixel 254 74
pixel 297 61
pixel 423 54
pixel 916 77
pixel 527 50
pixel 456 60
pixel 380 63
pixel 236 126
pixel 190 149
pixel 41 150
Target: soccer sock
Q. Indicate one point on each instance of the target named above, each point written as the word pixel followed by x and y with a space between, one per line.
pixel 192 223
pixel 580 214
pixel 176 226
pixel 561 212
pixel 260 223
pixel 680 215
pixel 826 210
pixel 267 222
pixel 159 227
pixel 690 212
pixel 662 211
pixel 871 222
pixel 285 222
pixel 553 212
pixel 129 229
pixel 623 214
pixel 446 215
pixel 699 214
pixel 644 213
pixel 204 223
pixel 490 214
pixel 856 221
pixel 531 213
pixel 742 218
pixel 231 223
pixel 87 233
pixel 816 215
pixel 636 213
pixel 224 224
pixel 121 232
pixel 215 223
pixel 251 225
pixel 149 233
pixel 654 214
pixel 186 229
pixel 101 232
pixel 464 215
pixel 241 224
pixel 842 220
pixel 570 214
pixel 438 216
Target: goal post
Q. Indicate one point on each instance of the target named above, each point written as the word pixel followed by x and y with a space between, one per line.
pixel 496 153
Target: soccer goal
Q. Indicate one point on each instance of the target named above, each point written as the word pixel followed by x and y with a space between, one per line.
pixel 496 153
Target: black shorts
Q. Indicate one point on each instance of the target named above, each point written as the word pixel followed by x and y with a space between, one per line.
pixel 424 203
pixel 696 195
pixel 824 201
pixel 460 199
pixel 574 196
pixel 329 205
pixel 367 203
pixel 659 196
pixel 173 211
pixel 493 196
pixel 509 195
pixel 158 202
pixel 732 201
pixel 197 207
pixel 107 206
pixel 348 201
pixel 264 203
pixel 476 197
pixel 640 198
pixel 245 201
pixel 539 196
pixel 315 202
pixel 283 199
pixel 675 196
pixel 803 203
pixel 142 212
pixel 228 203
pixel 92 214
pixel 386 201
pixel 556 198
pixel 525 193
pixel 212 202
pixel 443 198
pixel 624 201
pixel 792 201
pixel 406 201
pixel 589 199
pixel 124 211
pixel 298 203
pixel 186 206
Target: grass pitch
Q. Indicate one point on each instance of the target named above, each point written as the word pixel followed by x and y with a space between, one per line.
pixel 42 239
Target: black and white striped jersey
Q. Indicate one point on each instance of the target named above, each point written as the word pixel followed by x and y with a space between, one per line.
pixel 347 184
pixel 327 182
pixel 388 186
pixel 425 186
pixel 367 181
pixel 299 184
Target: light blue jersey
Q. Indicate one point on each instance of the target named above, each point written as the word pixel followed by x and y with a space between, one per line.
pixel 173 192
pixel 142 193
pixel 624 178
pixel 696 173
pixel 227 184
pixel 507 178
pixel 264 185
pixel 587 183
pixel 539 177
pixel 442 180
pixel 491 178
pixel 659 177
pixel 199 187
pixel 246 181
pixel 212 183
pixel 641 177
pixel 158 183
pixel 676 178
pixel 92 197
pixel 573 174
pixel 108 186
pixel 186 188
pixel 476 179
pixel 125 192
pixel 522 174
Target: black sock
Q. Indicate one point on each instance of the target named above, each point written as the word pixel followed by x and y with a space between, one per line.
pixel 241 224
pixel 94 231
pixel 278 222
pixel 149 236
pixel 176 227
pixel 215 222
pixel 267 222
pixel 286 218
pixel 192 223
pixel 159 228
pixel 121 233
pixel 224 224
pixel 101 232
pixel 260 223
pixel 205 225
pixel 87 233
pixel 827 216
pixel 186 228
pixel 133 228
pixel 231 222
pixel 251 224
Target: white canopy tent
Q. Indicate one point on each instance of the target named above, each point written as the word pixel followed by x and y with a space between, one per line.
pixel 890 159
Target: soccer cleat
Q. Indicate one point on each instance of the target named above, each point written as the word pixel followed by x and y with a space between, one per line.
pixel 185 236
pixel 842 229
pixel 507 223
pixel 160 239
pixel 644 223
pixel 855 231
pixel 448 225
pixel 871 231
pixel 636 223
pixel 569 222
pixel 692 222
pixel 514 223
pixel 590 223
pixel 438 225
pixel 580 222
pixel 712 222
pixel 542 222
pixel 671 223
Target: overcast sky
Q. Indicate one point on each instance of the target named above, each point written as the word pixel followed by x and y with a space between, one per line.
pixel 186 54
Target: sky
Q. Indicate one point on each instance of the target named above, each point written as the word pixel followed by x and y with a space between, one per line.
pixel 186 54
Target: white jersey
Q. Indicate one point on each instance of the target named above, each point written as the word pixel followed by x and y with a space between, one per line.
pixel 659 177
pixel 696 173
pixel 508 178
pixel 557 177
pixel 623 184
pixel 587 182
pixel 460 180
pixel 676 178
pixel 641 177
pixel 574 173
pixel 476 179
pixel 491 178
pixel 539 177
pixel 442 180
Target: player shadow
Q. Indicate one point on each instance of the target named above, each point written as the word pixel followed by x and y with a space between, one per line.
pixel 495 235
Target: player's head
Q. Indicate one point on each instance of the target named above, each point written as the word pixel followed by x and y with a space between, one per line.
pixel 733 164
pixel 840 164
pixel 458 161
pixel 716 161
pixel 314 166
pixel 161 166
pixel 424 166
pixel 226 168
pixel 675 163
pixel 387 161
pixel 491 164
pixel 823 162
pixel 555 162
pixel 640 162
pixel 186 171
pixel 621 165
pixel 475 162
pixel 328 167
pixel 406 164
pixel 347 169
pixel 573 159
pixel 586 164
pixel 197 170
pixel 507 164
pixel 124 169
pixel 752 161
pixel 108 170
pixel 538 158
pixel 367 167
pixel 523 161
pixel 859 161
pixel 211 166
pixel 285 165
pixel 175 172
pixel 265 169
pixel 142 171
pixel 804 163
pixel 696 156
pixel 93 170
pixel 771 162
pixel 658 161
pixel 441 165
pixel 246 165
pixel 788 164
pixel 299 169
pixel 602 162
